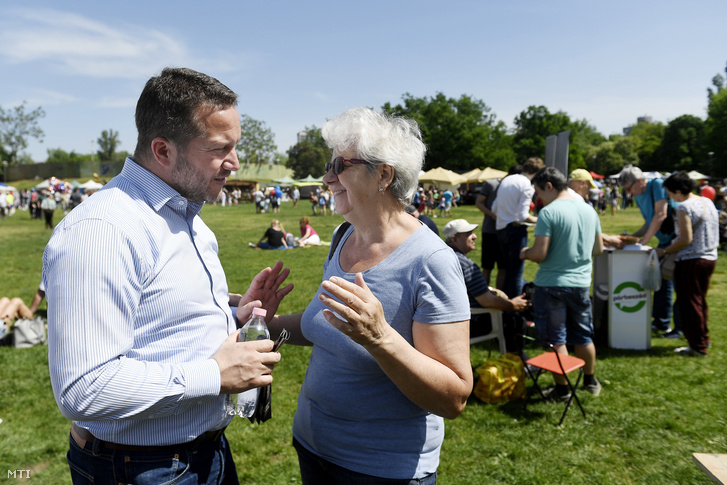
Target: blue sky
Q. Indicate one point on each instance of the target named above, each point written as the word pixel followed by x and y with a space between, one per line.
pixel 297 63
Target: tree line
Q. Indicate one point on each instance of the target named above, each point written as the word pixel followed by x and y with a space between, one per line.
pixel 461 134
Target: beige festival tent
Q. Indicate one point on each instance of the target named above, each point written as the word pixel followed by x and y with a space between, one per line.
pixel 491 173
pixel 442 175
pixel 472 175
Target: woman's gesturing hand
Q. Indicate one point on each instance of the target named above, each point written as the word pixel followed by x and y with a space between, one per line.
pixel 363 316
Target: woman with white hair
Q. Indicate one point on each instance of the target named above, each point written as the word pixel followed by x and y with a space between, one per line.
pixel 390 324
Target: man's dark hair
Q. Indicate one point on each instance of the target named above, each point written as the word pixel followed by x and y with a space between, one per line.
pixel 532 165
pixel 515 169
pixel 552 175
pixel 169 107
pixel 680 182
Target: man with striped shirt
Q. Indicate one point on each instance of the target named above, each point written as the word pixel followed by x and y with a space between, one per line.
pixel 142 341
pixel 459 235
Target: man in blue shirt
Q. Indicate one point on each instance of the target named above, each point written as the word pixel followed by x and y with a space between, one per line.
pixel 658 212
pixel 142 343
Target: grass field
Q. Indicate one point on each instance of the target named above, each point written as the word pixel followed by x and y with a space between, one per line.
pixel 656 408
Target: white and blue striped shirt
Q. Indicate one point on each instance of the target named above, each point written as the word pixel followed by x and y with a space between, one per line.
pixel 137 306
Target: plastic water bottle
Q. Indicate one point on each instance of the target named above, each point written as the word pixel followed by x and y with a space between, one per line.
pixel 243 404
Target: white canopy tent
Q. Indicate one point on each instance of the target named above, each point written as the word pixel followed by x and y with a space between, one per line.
pixel 4 189
pixel 694 175
pixel 90 185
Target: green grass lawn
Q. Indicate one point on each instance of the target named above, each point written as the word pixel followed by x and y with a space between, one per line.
pixel 656 407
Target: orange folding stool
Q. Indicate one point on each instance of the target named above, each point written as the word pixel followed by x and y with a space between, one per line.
pixel 556 363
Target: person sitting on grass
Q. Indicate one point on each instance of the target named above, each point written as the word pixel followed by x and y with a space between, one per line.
pixel 308 235
pixel 12 309
pixel 274 237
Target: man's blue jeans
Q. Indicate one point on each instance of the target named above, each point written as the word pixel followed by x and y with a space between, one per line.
pixel 661 310
pixel 512 239
pixel 207 463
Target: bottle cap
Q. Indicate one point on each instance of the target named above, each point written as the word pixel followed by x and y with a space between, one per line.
pixel 259 312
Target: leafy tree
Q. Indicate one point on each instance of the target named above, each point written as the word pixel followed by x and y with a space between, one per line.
pixel 648 137
pixel 683 145
pixel 606 160
pixel 58 155
pixel 460 134
pixel 280 159
pixel 121 156
pixel 15 127
pixel 716 135
pixel 719 84
pixel 582 137
pixel 533 126
pixel 108 142
pixel 257 143
pixel 610 156
pixel 309 156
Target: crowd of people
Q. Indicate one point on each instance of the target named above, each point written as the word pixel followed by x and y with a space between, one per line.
pixel 42 203
pixel 564 212
pixel 389 325
pixel 435 202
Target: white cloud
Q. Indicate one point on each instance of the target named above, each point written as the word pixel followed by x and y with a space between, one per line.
pixel 76 45
pixel 43 97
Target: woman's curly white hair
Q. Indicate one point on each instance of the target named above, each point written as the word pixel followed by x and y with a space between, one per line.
pixel 381 138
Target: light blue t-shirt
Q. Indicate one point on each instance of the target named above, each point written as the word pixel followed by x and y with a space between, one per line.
pixel 349 411
pixel 572 227
pixel 655 192
pixel 447 196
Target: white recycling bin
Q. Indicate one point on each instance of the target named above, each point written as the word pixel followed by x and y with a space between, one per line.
pixel 618 283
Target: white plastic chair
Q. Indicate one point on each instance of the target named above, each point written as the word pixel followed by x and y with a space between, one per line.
pixel 498 331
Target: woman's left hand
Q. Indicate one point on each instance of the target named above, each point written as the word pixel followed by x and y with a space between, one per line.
pixel 364 320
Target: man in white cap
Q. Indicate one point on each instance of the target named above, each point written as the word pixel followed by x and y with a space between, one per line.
pixel 459 235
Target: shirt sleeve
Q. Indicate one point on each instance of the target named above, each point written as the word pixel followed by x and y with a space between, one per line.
pixel 442 294
pixel 658 191
pixel 476 284
pixel 543 226
pixel 93 293
pixel 526 198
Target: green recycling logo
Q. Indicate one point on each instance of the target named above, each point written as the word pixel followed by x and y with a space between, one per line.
pixel 630 302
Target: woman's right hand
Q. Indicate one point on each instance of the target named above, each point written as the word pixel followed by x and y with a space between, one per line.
pixel 364 321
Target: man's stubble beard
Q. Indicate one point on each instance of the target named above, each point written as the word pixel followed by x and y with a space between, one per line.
pixel 185 180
